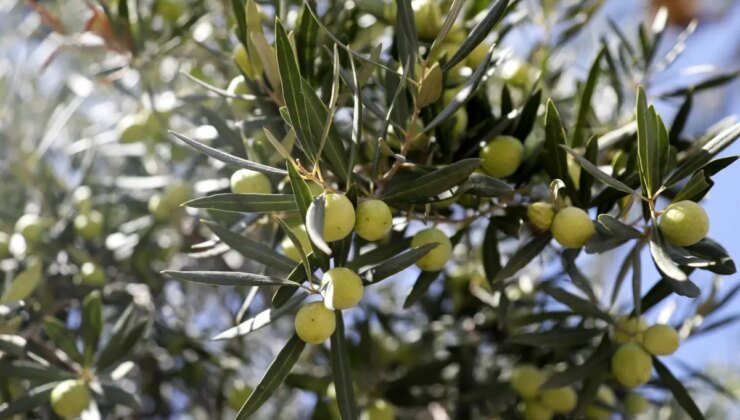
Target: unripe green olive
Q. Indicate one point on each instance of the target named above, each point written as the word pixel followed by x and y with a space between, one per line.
pixel 247 181
pixel 559 400
pixel 379 410
pixel 90 225
pixel 502 156
pixel 31 227
pixel 437 257
pixel 534 410
pixel 660 340
pixel 314 323
pixel 178 193
pixel 597 412
pixel 290 249
pixel 540 215
pixel 91 274
pixel 70 398
pixel 373 220
pixel 428 18
pixel 631 365
pixel 684 223
pixel 159 207
pixel 238 395
pixel 4 245
pixel 572 227
pixel 629 329
pixel 343 288
pixel 635 404
pixel 82 197
pixel 339 217
pixel 526 380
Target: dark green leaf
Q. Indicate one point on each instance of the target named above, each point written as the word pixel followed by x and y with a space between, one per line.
pixel 429 185
pixel 115 395
pixel 62 337
pixel 263 318
pixel 245 203
pixel 612 226
pixel 92 324
pixel 421 285
pixel 707 249
pixel 680 120
pixel 252 250
pixel 554 154
pixel 522 257
pixel 396 263
pixel 584 106
pixel 598 173
pixel 407 39
pixel 695 189
pixel 275 375
pixel 462 96
pixel 486 186
pixel 341 373
pixel 678 390
pixel 714 81
pixel 228 278
pixel 127 330
pixel 697 160
pixel 479 33
pixel 677 279
pixel 575 303
pixel 557 338
pixel 647 145
pixel 227 158
pixel 526 119
pixel 490 253
pixel 33 371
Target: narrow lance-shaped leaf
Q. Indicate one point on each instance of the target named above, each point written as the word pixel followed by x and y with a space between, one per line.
pixel 647 145
pixel 598 173
pixel 479 33
pixel 584 107
pixel 341 372
pixel 407 39
pixel 228 278
pixel 490 254
pixel 295 100
pixel 92 324
pixel 262 319
pixel 522 257
pixel 297 243
pixel 245 203
pixel 227 158
pixel 697 160
pixel 431 184
pixel 554 158
pixel 420 287
pixel 256 251
pixel 275 375
pixel 396 264
pixel 35 398
pixel 557 338
pixel 678 390
pixel 677 279
pixel 463 95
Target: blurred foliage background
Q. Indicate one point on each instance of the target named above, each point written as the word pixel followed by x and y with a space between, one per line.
pixel 86 105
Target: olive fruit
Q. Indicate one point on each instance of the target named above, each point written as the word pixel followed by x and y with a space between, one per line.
pixel 572 227
pixel 373 220
pixel 437 257
pixel 343 288
pixel 314 323
pixel 684 223
pixel 502 156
